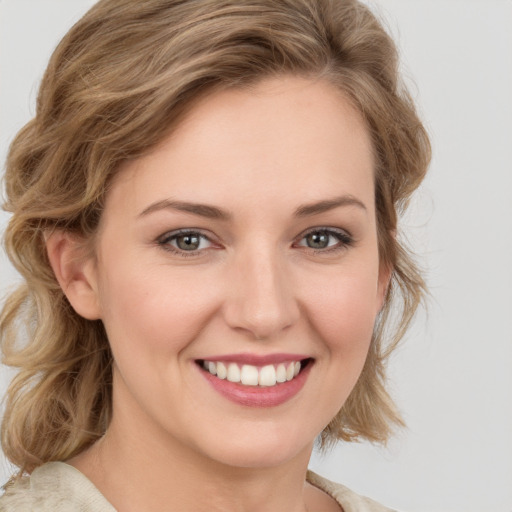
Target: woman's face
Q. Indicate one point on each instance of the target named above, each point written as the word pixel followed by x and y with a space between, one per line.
pixel 245 243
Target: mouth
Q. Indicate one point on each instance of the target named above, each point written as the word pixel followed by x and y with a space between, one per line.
pixel 255 376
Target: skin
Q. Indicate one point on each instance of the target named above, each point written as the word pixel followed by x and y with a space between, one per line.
pixel 253 286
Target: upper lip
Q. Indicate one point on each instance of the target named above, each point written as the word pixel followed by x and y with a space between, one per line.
pixel 256 359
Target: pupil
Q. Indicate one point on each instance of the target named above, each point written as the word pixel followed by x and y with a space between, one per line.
pixel 318 240
pixel 188 242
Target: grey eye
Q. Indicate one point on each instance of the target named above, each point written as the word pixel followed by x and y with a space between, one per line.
pixel 328 239
pixel 319 239
pixel 185 242
pixel 189 242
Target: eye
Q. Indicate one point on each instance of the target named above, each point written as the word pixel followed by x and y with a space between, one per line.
pixel 185 241
pixel 325 239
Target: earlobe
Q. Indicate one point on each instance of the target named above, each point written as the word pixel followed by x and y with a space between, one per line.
pixel 75 272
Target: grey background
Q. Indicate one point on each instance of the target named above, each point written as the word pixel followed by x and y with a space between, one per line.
pixel 452 377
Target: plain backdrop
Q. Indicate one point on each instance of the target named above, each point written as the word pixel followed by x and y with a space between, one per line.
pixel 452 376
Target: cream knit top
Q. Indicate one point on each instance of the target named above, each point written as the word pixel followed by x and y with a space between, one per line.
pixel 59 487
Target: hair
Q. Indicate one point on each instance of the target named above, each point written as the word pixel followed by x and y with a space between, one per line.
pixel 120 80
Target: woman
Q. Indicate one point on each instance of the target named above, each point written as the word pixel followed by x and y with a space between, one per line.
pixel 205 214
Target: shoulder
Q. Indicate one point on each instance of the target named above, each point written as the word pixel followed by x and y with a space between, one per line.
pixel 55 487
pixel 347 499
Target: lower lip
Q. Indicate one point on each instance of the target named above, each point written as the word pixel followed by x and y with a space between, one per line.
pixel 258 396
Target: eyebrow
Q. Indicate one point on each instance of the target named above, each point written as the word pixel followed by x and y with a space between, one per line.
pixel 203 210
pixel 212 212
pixel 328 204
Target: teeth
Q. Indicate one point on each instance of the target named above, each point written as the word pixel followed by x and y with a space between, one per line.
pixel 281 373
pixel 222 371
pixel 267 376
pixel 290 371
pixel 233 373
pixel 250 375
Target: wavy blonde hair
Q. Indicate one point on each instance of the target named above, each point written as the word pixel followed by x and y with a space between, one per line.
pixel 117 84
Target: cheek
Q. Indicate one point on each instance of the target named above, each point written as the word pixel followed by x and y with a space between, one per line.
pixel 150 314
pixel 342 309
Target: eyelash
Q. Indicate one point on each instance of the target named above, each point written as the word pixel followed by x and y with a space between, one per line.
pixel 165 242
pixel 344 239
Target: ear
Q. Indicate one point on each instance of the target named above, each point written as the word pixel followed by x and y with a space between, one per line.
pixel 385 273
pixel 75 270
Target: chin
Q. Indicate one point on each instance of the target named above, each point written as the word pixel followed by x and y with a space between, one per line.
pixel 257 458
pixel 259 448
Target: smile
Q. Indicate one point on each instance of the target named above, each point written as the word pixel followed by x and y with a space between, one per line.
pixel 256 381
pixel 250 375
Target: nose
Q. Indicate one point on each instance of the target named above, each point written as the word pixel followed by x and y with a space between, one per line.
pixel 261 298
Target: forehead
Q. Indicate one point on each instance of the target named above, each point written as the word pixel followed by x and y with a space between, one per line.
pixel 286 139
